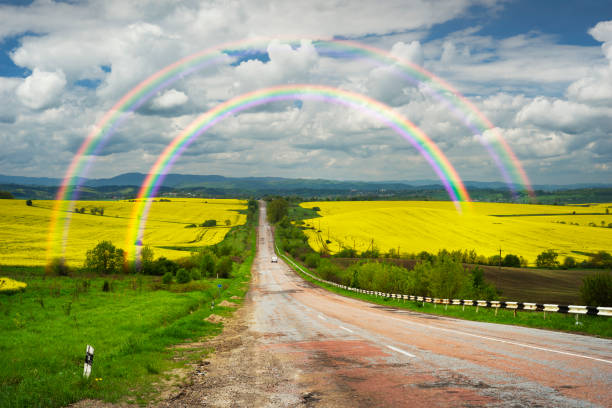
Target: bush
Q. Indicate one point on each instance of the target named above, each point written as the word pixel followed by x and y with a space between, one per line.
pixel 58 267
pixel 183 276
pixel 104 258
pixel 167 278
pixel 29 203
pixel 162 265
pixel 6 195
pixel 312 260
pixel 106 287
pixel 569 262
pixel 224 267
pixel 209 223
pixel 596 289
pixel 346 253
pixel 196 274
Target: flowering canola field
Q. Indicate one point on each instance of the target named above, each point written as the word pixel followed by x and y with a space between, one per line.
pixel 416 226
pixel 23 240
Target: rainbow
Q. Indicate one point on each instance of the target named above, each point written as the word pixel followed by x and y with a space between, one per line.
pixel 459 106
pixel 426 147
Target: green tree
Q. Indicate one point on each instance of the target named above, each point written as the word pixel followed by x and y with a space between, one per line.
pixel 104 258
pixel 448 278
pixel 596 289
pixel 29 203
pixel 277 209
pixel 547 259
pixel 146 259
pixel 224 267
pixel 209 223
pixel 511 260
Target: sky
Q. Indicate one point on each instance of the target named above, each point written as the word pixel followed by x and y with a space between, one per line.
pixel 541 72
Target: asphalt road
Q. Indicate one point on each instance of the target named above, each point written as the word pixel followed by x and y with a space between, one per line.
pixel 345 352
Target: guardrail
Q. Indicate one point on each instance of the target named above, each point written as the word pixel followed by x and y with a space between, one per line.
pixel 497 304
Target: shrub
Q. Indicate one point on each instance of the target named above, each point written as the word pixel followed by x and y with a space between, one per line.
pixel 29 203
pixel 209 223
pixel 596 289
pixel 104 258
pixel 106 287
pixel 569 262
pixel 312 260
pixel 224 267
pixel 512 261
pixel 167 278
pixel 57 266
pixel 547 259
pixel 6 195
pixel 163 265
pixel 183 276
pixel 346 253
pixel 196 274
pixel 316 209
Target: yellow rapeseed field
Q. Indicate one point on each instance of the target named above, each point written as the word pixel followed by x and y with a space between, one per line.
pixel 23 240
pixel 414 226
pixel 8 285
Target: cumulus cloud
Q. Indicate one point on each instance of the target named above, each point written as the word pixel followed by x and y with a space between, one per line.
pixel 169 99
pixel 550 100
pixel 41 89
pixel 597 87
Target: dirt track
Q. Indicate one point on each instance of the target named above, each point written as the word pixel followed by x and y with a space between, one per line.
pixel 293 344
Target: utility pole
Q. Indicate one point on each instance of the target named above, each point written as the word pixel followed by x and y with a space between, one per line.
pixel 500 258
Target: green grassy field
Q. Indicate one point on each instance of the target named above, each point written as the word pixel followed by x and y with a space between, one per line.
pixel 132 328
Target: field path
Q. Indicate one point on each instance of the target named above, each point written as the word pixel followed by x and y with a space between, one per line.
pixel 294 344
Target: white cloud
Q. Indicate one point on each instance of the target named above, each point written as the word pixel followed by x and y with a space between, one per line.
pixel 550 100
pixel 169 99
pixel 597 86
pixel 41 89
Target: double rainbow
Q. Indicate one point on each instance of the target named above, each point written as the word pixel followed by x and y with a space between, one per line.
pixel 458 105
pixel 424 145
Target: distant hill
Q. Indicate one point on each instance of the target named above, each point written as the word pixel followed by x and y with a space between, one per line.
pixel 126 186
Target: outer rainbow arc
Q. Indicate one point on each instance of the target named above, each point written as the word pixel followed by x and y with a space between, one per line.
pixel 161 79
pixel 430 151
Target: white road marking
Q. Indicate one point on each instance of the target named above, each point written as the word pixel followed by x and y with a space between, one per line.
pixel 322 318
pixel 514 343
pixel 400 351
pixel 348 330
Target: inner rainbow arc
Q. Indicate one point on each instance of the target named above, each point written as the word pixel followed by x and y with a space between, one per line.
pixel 424 145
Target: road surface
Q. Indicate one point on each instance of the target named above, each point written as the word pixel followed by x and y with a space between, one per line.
pixel 294 344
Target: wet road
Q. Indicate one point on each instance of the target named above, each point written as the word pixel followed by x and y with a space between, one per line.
pixel 344 352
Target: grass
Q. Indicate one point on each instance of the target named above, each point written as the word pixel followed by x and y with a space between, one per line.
pixel 132 328
pixel 592 325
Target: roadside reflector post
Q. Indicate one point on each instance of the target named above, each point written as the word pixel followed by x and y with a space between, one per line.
pixel 89 355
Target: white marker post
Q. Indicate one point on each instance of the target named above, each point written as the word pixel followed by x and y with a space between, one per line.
pixel 89 353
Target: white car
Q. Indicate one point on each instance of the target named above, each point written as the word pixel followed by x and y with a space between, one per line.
pixel 275 259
